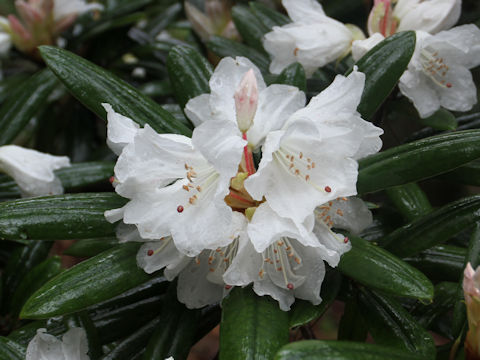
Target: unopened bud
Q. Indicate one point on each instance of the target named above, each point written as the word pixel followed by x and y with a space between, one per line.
pixel 381 19
pixel 246 101
pixel 471 291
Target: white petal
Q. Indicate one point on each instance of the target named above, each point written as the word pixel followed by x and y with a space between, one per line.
pixel 245 265
pixel 361 47
pixel 266 287
pixel 194 290
pixel 301 10
pixel 32 170
pixel 65 8
pixel 224 82
pixel 463 94
pixel 313 269
pixel 114 215
pixel 431 16
pixel 275 105
pixel 75 345
pixel 5 43
pixel 198 109
pixel 165 254
pixel 44 347
pixel 120 129
pixel 355 216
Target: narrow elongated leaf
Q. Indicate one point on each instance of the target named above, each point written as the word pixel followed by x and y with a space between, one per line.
pixel 378 269
pixel 225 47
pixel 90 282
pixel 59 217
pixel 24 102
pixel 91 247
pixel 10 350
pixel 418 160
pixel 304 311
pixel 189 73
pixel 383 66
pixel 390 324
pixel 443 301
pixel 341 350
pixel 433 228
pixel 468 174
pixel 267 16
pixel 294 75
pixel 352 325
pixel 441 262
pixel 252 327
pixel 249 26
pixel 92 86
pixel 441 120
pixel 409 200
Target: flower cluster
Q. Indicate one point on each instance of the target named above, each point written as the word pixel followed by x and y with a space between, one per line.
pixel 438 74
pixel 254 195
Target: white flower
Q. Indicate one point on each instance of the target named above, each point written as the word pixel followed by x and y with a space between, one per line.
pixel 430 16
pixel 361 47
pixel 66 8
pixel 312 159
pixel 438 74
pixel 312 39
pixel 33 171
pixel 287 269
pixel 73 346
pixel 5 38
pixel 177 185
pixel 275 103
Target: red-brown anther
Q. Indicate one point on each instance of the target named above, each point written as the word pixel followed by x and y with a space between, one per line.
pixel 328 189
pixel 290 286
pixel 449 85
pixel 150 252
pixel 228 287
pixel 111 179
pixel 180 208
pixel 345 240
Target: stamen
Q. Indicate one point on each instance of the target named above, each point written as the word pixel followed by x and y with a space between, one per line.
pixel 180 208
pixel 328 189
pixel 150 252
pixel 290 286
pixel 435 67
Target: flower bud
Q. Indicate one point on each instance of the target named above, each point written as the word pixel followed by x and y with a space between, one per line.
pixel 471 291
pixel 246 101
pixel 381 19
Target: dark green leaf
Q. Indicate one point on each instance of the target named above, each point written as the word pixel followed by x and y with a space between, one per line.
pixel 90 282
pixel 10 350
pixel 189 73
pixel 91 247
pixel 443 301
pixel 418 160
pixel 441 120
pixel 23 103
pixel 252 327
pixel 433 228
pixel 352 326
pixel 341 350
pixel 249 26
pixel 267 16
pixel 294 75
pixel 378 269
pixel 58 217
pixel 383 66
pixel 93 86
pixel 409 200
pixel 468 174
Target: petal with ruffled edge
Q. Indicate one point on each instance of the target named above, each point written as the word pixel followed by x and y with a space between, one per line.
pixel 350 214
pixel 121 130
pixel 44 346
pixel 303 10
pixel 33 171
pixel 303 167
pixel 75 345
pixel 156 255
pixel 198 109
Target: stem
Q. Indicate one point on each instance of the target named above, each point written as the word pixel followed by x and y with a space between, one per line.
pixel 247 153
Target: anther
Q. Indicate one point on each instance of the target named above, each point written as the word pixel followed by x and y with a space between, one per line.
pixel 290 286
pixel 180 208
pixel 328 189
pixel 150 252
pixel 185 187
pixel 111 179
pixel 295 52
pixel 449 85
pixel 228 287
pixel 345 240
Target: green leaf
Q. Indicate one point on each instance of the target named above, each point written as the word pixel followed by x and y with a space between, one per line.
pixel 352 326
pixel 10 350
pixel 341 350
pixel 267 16
pixel 383 66
pixel 92 86
pixel 376 268
pixel 97 279
pixel 59 217
pixel 189 73
pixel 176 333
pixel 23 103
pixel 91 247
pixel 252 326
pixel 433 228
pixel 304 311
pixel 418 160
pixel 441 120
pixel 441 262
pixel 391 325
pixel 443 301
pixel 224 47
pixel 33 280
pixel 468 174
pixel 294 75
pixel 409 200
pixel 249 26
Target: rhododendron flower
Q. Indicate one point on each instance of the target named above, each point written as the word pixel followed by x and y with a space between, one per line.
pixel 313 39
pixel 471 291
pixel 73 346
pixel 438 74
pixel 33 171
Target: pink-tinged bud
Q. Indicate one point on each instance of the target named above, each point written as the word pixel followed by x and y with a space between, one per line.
pixel 29 13
pixel 381 19
pixel 18 29
pixel 471 291
pixel 246 101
